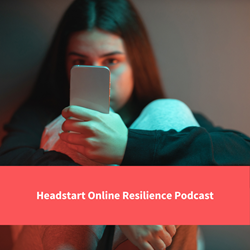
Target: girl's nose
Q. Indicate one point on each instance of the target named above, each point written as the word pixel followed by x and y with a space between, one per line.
pixel 96 64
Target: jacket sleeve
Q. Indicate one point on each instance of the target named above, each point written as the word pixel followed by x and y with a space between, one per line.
pixel 21 145
pixel 194 146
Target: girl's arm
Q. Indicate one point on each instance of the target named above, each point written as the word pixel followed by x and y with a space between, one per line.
pixel 205 145
pixel 102 139
pixel 21 145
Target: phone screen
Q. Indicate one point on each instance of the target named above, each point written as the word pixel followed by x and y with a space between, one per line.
pixel 90 87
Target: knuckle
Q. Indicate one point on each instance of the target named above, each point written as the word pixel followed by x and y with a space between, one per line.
pixel 140 239
pixel 92 145
pixel 157 229
pixel 94 129
pixel 161 246
pixel 168 241
pixel 89 143
pixel 99 116
pixel 91 127
pixel 64 126
pixel 89 153
pixel 70 110
pixel 69 138
pixel 174 230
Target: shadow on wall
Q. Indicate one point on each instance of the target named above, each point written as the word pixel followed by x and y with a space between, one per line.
pixel 201 47
pixel 26 28
pixel 22 48
pixel 203 53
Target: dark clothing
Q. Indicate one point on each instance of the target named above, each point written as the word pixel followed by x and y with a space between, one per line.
pixel 205 145
pixel 198 146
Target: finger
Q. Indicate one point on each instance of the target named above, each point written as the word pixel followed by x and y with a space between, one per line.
pixel 78 112
pixel 76 126
pixel 78 148
pixel 158 244
pixel 145 246
pixel 166 238
pixel 171 230
pixel 72 138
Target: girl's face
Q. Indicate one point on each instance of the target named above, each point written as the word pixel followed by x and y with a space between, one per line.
pixel 100 48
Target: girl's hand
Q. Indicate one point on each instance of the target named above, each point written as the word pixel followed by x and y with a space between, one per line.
pixel 100 137
pixel 153 237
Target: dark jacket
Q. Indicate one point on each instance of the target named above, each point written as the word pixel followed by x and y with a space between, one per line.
pixel 205 145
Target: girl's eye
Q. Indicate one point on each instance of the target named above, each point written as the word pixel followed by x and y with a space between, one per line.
pixel 80 62
pixel 111 62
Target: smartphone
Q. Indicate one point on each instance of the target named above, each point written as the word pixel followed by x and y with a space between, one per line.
pixel 90 87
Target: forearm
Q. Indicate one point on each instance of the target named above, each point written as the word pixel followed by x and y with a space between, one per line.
pixel 192 146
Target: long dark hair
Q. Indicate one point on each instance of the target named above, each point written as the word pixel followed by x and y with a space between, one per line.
pixel 118 17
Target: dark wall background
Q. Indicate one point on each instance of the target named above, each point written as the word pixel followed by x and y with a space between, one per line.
pixel 202 48
pixel 203 52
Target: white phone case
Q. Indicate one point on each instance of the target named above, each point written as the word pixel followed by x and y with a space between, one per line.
pixel 90 87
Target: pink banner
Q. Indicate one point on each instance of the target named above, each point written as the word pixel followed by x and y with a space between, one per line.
pixel 117 195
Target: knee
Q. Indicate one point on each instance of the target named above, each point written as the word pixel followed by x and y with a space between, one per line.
pixel 165 114
pixel 165 101
pixel 167 105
